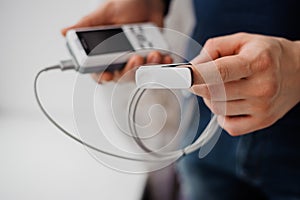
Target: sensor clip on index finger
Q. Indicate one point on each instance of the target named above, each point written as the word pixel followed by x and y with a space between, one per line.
pixel 164 76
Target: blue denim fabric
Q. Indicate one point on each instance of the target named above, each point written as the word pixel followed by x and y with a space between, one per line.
pixel 261 165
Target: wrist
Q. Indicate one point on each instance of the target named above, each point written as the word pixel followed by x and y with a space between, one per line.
pixel 297 56
pixel 297 43
pixel 291 50
pixel 290 63
pixel 295 49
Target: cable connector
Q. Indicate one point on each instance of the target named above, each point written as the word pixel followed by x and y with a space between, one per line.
pixel 67 65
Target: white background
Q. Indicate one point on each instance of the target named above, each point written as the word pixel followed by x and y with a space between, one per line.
pixel 36 160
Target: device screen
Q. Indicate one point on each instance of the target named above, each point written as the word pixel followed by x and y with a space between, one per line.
pixel 97 42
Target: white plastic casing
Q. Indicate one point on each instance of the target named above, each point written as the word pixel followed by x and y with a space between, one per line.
pixel 163 77
pixel 140 37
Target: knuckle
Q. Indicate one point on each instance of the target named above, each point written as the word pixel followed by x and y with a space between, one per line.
pixel 217 109
pixel 201 90
pixel 204 92
pixel 231 127
pixel 96 78
pixel 232 131
pixel 223 70
pixel 270 90
pixel 137 58
pixel 154 53
pixel 265 59
pixel 267 90
pixel 210 42
pixel 247 69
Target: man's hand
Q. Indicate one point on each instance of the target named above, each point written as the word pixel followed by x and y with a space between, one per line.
pixel 124 12
pixel 261 76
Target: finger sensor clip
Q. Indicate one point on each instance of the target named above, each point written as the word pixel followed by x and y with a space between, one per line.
pixel 164 76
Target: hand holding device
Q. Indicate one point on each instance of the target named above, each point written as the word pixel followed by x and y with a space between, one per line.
pixel 124 12
pixel 109 47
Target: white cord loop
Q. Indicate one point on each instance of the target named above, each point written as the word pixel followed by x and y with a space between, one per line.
pixel 211 129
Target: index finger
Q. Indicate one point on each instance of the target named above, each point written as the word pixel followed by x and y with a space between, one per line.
pixel 221 70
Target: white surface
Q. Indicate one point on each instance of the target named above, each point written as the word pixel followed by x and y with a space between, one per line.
pixel 37 161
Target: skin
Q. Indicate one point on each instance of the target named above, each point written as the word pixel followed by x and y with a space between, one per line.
pixel 260 73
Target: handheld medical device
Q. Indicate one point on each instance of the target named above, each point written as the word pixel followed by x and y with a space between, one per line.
pixel 171 76
pixel 109 47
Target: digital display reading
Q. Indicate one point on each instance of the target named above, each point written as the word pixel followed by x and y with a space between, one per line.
pixel 98 42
